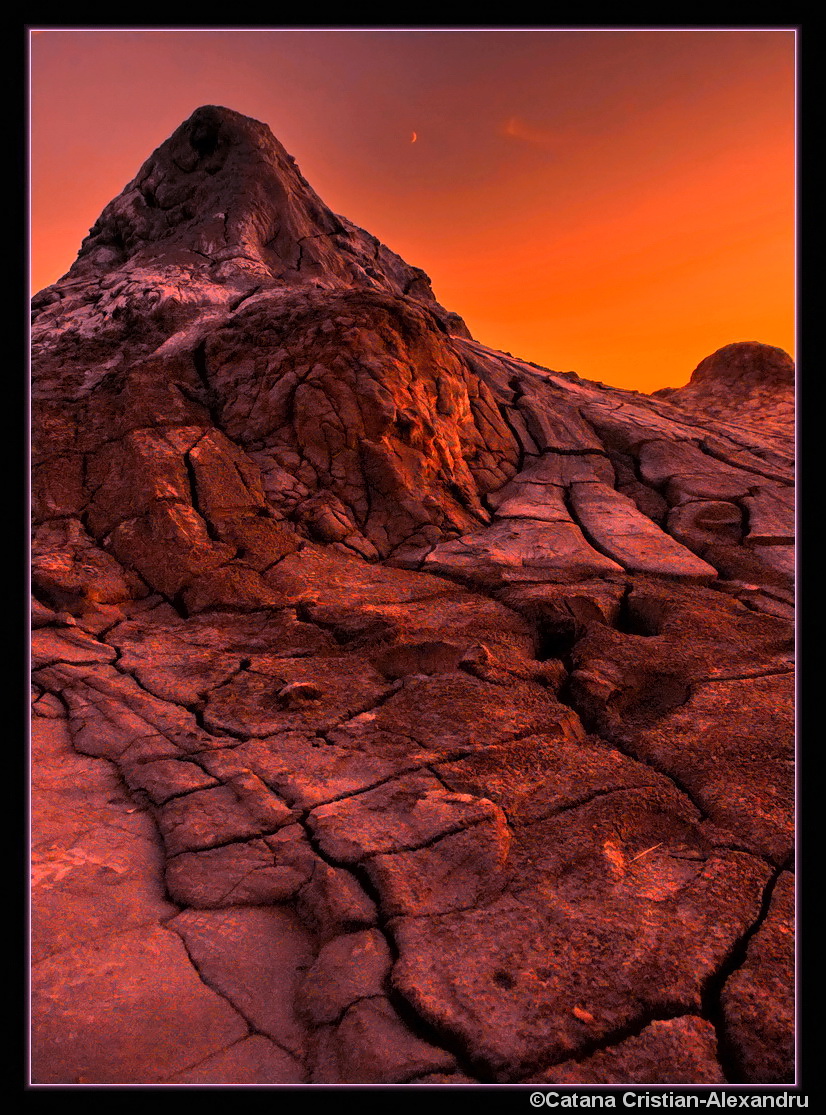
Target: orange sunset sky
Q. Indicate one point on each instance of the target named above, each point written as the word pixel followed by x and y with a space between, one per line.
pixel 619 203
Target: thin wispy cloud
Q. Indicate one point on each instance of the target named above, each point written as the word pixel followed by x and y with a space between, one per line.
pixel 517 128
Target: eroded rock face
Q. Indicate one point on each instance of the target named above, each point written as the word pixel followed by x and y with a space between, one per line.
pixel 459 690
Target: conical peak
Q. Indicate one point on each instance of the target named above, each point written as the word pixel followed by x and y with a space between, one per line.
pixel 221 198
pixel 210 125
pixel 222 181
pixel 214 135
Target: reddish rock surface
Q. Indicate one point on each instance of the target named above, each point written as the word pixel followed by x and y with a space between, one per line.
pixel 410 712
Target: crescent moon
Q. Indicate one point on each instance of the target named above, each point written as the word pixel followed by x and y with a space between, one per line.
pixel 413 137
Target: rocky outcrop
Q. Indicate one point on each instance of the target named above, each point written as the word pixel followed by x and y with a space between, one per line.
pixel 747 385
pixel 459 690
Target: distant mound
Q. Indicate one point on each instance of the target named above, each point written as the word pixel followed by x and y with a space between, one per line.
pixel 742 382
pixel 745 365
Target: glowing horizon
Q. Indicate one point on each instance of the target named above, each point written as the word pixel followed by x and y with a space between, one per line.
pixel 619 203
